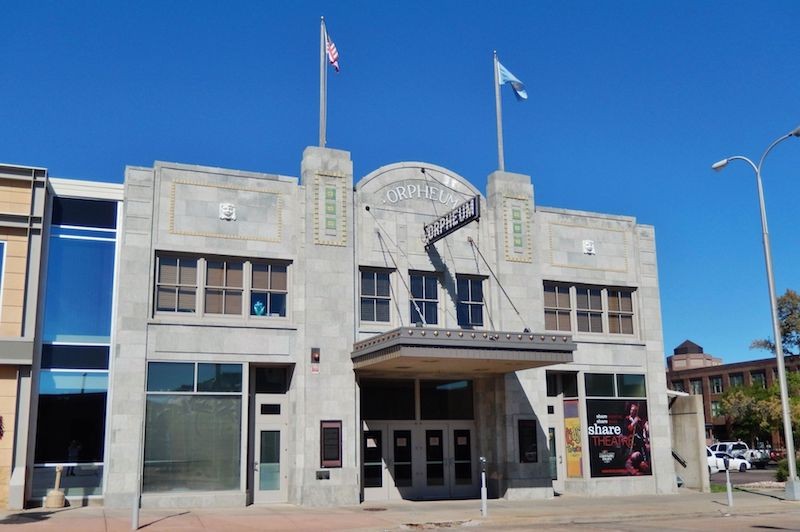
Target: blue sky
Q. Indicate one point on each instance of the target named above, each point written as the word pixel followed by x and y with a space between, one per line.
pixel 629 104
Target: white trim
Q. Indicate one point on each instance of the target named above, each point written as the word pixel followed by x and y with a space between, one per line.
pixel 77 370
pixel 87 227
pixel 96 190
pixel 94 238
pixel 68 464
pixel 82 344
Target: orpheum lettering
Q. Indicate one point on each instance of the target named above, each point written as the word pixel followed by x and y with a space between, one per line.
pixel 409 191
pixel 453 220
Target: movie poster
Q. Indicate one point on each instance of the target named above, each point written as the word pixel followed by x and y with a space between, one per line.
pixel 619 437
pixel 572 437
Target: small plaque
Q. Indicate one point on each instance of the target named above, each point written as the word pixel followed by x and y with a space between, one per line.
pixel 323 475
pixel 461 440
pixel 433 441
pixel 401 442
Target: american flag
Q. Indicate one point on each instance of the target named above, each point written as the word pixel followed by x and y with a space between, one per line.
pixel 333 54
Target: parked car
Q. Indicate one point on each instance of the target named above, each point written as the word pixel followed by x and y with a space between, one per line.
pixel 739 449
pixel 713 467
pixel 734 463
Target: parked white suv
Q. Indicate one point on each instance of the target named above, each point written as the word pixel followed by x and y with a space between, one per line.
pixel 713 466
pixel 739 449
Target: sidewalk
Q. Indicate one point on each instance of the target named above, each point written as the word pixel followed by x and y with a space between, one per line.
pixel 405 515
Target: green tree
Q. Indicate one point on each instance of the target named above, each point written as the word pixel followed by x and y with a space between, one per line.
pixel 789 318
pixel 754 412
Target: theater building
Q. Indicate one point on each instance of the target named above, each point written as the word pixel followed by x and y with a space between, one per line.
pixel 308 340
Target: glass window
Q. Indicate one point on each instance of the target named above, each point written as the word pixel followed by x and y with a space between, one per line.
pixel 219 377
pixel 71 416
pixel 569 384
pixel 192 442
pixel 620 311
pixel 678 386
pixel 170 377
pixel 556 307
pixel 630 385
pixel 387 399
pixel 758 378
pixel 599 384
pixel 446 399
pixel 269 289
pixel 176 284
pixel 737 379
pixel 424 298
pixel 84 213
pixel 716 384
pixel 224 285
pixel 375 295
pixel 470 301
pixel 75 356
pixel 79 288
pixel 696 386
pixel 528 446
pixel 589 304
pixel 716 409
pixel 331 444
pixel 272 379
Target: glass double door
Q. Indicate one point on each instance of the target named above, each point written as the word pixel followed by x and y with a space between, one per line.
pixel 419 460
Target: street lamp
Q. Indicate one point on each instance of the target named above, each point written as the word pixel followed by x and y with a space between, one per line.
pixel 792 483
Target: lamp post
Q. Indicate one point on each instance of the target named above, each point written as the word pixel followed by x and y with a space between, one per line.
pixel 792 483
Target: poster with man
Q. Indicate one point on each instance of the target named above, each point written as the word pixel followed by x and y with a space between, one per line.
pixel 619 437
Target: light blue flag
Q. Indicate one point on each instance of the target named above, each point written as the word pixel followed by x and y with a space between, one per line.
pixel 517 85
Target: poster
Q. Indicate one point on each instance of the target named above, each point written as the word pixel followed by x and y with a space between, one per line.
pixel 572 438
pixel 619 437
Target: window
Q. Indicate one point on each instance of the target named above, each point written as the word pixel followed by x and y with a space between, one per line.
pixel 557 307
pixel 268 289
pixel 678 386
pixel 375 295
pixel 470 301
pixel 737 379
pixel 716 384
pixel 424 298
pixel 528 447
pixel 590 310
pixel 331 444
pixel 445 399
pixel 192 427
pixel 716 409
pixel 176 284
pixel 615 385
pixel 224 286
pixel 620 311
pixel 758 378
pixel 2 271
pixel 224 291
pixel 696 386
pixel 589 304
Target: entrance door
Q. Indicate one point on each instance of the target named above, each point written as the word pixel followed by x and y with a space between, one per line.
pixel 270 448
pixel 555 444
pixel 447 461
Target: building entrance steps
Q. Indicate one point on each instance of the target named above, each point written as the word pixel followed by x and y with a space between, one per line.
pixel 562 511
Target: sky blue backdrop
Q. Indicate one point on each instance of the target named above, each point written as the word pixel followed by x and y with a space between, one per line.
pixel 629 104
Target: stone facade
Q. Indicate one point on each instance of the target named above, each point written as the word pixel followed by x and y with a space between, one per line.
pixel 327 231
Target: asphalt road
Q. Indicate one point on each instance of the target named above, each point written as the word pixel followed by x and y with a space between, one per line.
pixel 752 475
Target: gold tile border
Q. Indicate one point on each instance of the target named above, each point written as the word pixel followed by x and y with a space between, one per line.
pixel 319 182
pixel 590 268
pixel 527 255
pixel 279 201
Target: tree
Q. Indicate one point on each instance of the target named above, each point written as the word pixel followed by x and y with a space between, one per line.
pixel 789 318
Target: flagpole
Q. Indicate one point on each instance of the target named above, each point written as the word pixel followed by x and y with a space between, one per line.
pixel 500 160
pixel 323 89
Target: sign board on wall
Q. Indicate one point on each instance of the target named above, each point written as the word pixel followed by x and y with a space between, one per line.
pixel 465 213
pixel 619 437
pixel 572 438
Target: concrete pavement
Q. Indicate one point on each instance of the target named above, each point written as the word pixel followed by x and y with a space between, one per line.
pixel 564 512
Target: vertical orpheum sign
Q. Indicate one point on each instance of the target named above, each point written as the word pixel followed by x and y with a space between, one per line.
pixel 454 220
pixel 572 439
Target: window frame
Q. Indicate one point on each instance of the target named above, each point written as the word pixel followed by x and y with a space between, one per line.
pixel 715 384
pixel 374 298
pixel 590 313
pixel 225 289
pixel 269 291
pixel 178 285
pixel 617 315
pixel 557 310
pixel 589 310
pixel 422 301
pixel 461 302
pixel 202 288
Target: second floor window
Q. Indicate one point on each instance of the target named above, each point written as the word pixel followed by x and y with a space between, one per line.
pixel 268 289
pixel 224 286
pixel 759 378
pixel 737 379
pixel 424 301
pixel 375 295
pixel 716 384
pixel 696 386
pixel 590 309
pixel 469 309
pixel 176 284
pixel 557 307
